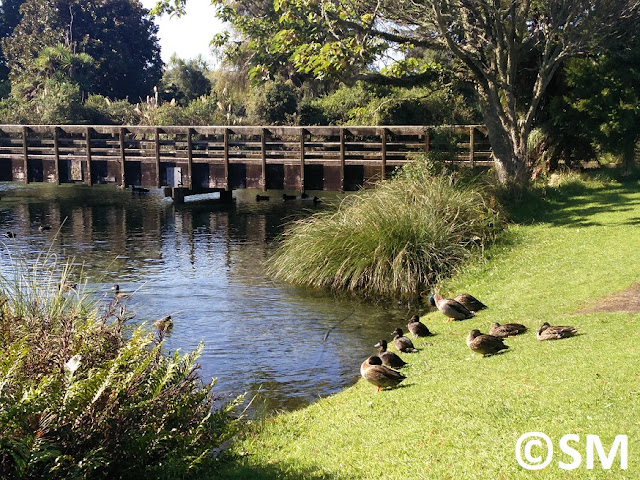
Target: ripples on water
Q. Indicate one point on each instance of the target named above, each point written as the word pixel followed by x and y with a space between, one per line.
pixel 203 262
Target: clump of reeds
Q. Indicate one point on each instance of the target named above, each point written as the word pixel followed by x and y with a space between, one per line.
pixel 392 240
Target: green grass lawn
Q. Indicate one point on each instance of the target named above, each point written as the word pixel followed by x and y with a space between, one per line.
pixel 458 415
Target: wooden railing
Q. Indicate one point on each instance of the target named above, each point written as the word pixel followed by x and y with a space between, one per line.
pixel 209 158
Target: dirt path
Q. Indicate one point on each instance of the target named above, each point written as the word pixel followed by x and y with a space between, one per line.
pixel 624 301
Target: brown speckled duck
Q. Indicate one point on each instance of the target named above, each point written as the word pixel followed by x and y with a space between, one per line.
pixel 506 329
pixel 484 344
pixel 453 309
pixel 469 301
pixel 374 372
pixel 419 329
pixel 389 358
pixel 402 343
pixel 555 332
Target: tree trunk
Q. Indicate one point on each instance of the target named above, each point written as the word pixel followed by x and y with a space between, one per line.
pixel 509 151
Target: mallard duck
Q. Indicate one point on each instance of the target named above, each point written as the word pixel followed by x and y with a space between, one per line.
pixel 117 294
pixel 137 189
pixel 402 343
pixel 453 309
pixel 555 332
pixel 484 344
pixel 42 228
pixel 374 372
pixel 262 198
pixel 469 301
pixel 418 328
pixel 506 330
pixel 389 358
pixel 164 324
pixel 286 198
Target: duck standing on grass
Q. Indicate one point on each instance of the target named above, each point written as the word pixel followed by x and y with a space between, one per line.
pixel 418 328
pixel 555 332
pixel 402 343
pixel 374 372
pixel 506 329
pixel 484 344
pixel 389 358
pixel 469 301
pixel 453 309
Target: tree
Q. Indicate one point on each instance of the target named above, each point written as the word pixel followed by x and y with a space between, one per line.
pixel 117 34
pixel 9 18
pixel 490 37
pixel 601 104
pixel 186 80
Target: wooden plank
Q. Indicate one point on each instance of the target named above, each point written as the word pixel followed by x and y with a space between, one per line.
pixel 87 143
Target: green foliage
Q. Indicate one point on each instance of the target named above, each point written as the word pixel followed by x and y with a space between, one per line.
pixel 394 240
pixel 365 104
pixel 117 34
pixel 273 102
pixel 185 80
pixel 79 399
pixel 601 105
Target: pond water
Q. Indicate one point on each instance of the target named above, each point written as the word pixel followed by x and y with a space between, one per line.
pixel 203 263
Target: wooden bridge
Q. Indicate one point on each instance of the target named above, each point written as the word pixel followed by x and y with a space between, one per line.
pixel 201 159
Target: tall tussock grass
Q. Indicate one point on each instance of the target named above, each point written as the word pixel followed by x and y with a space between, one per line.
pixel 83 396
pixel 393 240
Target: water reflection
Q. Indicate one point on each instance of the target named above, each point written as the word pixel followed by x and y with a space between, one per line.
pixel 203 263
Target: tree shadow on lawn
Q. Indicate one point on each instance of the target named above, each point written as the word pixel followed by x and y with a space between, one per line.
pixel 239 468
pixel 567 204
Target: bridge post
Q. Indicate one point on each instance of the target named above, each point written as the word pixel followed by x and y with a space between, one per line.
pixel 56 153
pixel 190 158
pixel 157 152
pixel 471 146
pixel 226 159
pixel 263 151
pixel 123 159
pixel 302 132
pixel 87 137
pixel 384 153
pixel 25 154
pixel 426 142
pixel 342 159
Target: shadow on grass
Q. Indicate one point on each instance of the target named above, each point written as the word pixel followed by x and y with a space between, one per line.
pixel 239 468
pixel 573 204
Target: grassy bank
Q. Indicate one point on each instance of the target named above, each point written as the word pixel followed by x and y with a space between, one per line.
pixel 459 415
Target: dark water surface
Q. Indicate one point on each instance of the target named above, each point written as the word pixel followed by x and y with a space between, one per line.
pixel 203 262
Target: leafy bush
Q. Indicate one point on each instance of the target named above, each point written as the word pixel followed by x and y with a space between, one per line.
pixel 393 240
pixel 78 399
pixel 273 102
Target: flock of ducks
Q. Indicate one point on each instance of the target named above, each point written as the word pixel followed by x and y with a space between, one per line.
pixel 380 369
pixel 289 198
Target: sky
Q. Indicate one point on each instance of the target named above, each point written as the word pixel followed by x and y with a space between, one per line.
pixel 188 36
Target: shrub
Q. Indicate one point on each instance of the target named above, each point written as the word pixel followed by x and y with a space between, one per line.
pixel 393 240
pixel 78 399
